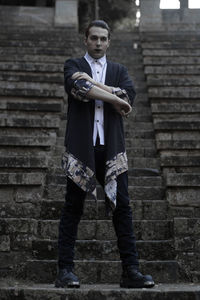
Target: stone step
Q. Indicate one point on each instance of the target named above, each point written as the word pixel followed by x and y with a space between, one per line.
pixel 183 107
pixel 21 178
pixel 172 80
pixel 142 209
pixel 175 92
pixel 169 45
pixel 180 161
pixel 31 291
pixel 34 105
pixel 103 229
pixel 30 141
pixel 27 120
pixel 34 58
pixel 179 122
pixel 171 52
pixel 31 89
pixel 12 48
pixel 105 250
pixel 178 144
pixel 93 272
pixel 184 179
pixel 141 152
pixel 170 69
pixel 136 181
pixel 32 77
pixel 23 162
pixel 167 60
pixel 133 162
pixel 56 192
pixel 29 66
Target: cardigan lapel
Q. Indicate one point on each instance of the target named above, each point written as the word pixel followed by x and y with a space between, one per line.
pixel 85 66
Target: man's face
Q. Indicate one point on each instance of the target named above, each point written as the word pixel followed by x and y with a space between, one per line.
pixel 97 42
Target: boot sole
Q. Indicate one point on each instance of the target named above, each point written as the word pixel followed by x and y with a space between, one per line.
pixel 60 284
pixel 129 285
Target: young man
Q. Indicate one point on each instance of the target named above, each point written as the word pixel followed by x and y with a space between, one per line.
pixel 100 93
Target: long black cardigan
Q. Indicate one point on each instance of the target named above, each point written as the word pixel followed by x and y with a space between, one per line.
pixel 78 160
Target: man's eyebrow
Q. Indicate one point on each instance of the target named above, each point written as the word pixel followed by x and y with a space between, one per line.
pixel 102 36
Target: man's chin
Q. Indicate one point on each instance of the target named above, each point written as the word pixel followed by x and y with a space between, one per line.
pixel 97 54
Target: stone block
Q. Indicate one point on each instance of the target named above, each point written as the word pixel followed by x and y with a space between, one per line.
pixel 185 227
pixel 180 160
pixel 183 179
pixel 183 196
pixel 19 210
pixel 66 13
pixel 21 179
pixel 27 16
pixel 18 226
pixel 176 144
pixel 4 243
pixel 8 120
pixel 91 272
pixel 34 106
pixel 42 141
pixel 175 107
pixel 171 70
pixel 179 124
pixel 175 92
pixel 6 195
pixel 23 162
pixel 167 60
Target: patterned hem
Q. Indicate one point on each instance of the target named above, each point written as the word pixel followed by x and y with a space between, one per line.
pixel 83 176
pixel 114 167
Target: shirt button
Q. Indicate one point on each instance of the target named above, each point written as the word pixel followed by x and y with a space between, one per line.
pixel 97 72
pixel 99 106
pixel 97 121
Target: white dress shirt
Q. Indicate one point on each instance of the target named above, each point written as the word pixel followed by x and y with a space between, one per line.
pixel 98 67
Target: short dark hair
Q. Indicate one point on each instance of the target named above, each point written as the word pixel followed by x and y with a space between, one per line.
pixel 97 23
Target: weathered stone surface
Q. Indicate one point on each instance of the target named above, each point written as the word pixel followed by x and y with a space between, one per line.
pixel 90 292
pixel 15 121
pixel 180 160
pixel 106 250
pixel 23 162
pixel 101 271
pixel 27 140
pixel 170 69
pixel 189 124
pixel 21 178
pixel 4 243
pixel 175 107
pixel 172 80
pixel 179 60
pixel 183 180
pixel 174 92
pixel 183 196
pixel 184 227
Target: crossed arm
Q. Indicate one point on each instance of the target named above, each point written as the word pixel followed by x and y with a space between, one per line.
pixel 105 93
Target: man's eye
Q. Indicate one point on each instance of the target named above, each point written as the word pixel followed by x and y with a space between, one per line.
pixel 104 39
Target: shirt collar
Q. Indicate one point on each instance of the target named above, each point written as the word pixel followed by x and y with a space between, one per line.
pixel 90 59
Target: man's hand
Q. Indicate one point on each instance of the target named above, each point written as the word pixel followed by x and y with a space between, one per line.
pixel 122 107
pixel 83 75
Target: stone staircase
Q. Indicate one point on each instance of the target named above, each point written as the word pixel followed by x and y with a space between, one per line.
pixel 172 69
pixel 32 125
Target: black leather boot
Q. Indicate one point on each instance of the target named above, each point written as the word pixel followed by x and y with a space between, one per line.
pixel 66 278
pixel 132 278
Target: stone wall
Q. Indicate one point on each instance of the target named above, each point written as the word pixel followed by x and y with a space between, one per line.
pixel 155 19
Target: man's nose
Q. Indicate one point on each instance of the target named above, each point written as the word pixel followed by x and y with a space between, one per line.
pixel 98 42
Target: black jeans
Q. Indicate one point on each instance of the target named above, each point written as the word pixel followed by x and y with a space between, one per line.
pixel 73 210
